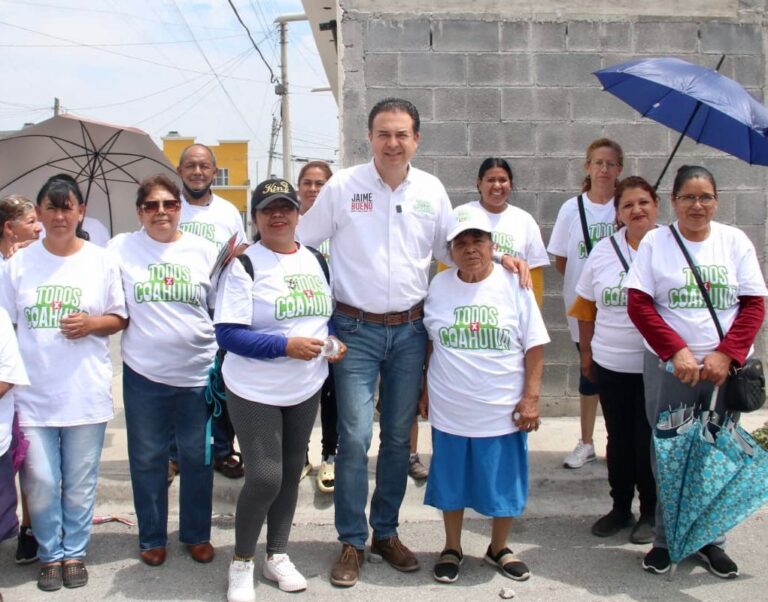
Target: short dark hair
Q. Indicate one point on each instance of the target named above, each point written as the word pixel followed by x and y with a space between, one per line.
pixel 395 105
pixel 157 181
pixel 628 183
pixel 57 191
pixel 689 172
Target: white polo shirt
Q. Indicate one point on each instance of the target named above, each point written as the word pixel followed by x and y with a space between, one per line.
pixel 381 240
pixel 215 222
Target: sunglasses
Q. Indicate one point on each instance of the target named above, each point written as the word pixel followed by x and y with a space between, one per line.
pixel 169 206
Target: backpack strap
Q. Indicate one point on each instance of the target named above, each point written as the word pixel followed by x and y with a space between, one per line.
pixel 619 253
pixel 323 263
pixel 584 227
pixel 247 264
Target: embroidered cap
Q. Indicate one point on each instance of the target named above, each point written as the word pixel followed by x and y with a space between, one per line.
pixel 272 190
pixel 467 217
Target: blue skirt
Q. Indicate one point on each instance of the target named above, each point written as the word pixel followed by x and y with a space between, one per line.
pixel 487 474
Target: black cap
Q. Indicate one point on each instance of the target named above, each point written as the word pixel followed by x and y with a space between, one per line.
pixel 272 190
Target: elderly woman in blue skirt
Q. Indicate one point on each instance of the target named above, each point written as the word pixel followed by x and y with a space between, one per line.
pixel 483 381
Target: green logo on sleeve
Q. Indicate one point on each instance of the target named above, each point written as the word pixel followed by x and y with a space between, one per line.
pixel 715 278
pixel 53 302
pixel 476 327
pixel 597 232
pixel 306 297
pixel 168 282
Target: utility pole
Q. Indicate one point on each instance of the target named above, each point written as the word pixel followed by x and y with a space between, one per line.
pixel 56 107
pixel 272 143
pixel 281 90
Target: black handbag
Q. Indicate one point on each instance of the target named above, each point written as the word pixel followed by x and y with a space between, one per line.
pixel 744 389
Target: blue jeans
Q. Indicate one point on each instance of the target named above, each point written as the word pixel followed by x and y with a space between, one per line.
pixel 396 353
pixel 59 478
pixel 152 410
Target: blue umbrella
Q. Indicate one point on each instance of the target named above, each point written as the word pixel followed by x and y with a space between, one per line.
pixel 696 101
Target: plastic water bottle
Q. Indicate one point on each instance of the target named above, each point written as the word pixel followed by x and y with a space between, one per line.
pixel 330 348
pixel 667 366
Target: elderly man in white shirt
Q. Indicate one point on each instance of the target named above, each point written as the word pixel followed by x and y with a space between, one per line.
pixel 216 220
pixel 385 219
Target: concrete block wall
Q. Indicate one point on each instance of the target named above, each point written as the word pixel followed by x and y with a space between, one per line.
pixel 520 86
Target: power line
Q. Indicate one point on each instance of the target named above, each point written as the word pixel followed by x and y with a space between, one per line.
pixel 272 78
pixel 122 44
pixel 218 79
pixel 122 54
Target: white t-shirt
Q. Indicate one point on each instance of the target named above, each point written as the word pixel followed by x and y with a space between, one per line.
pixel 97 232
pixel 728 266
pixel 168 291
pixel 288 296
pixel 216 222
pixel 11 372
pixel 70 380
pixel 480 333
pixel 616 344
pixel 516 233
pixel 567 241
pixel 381 240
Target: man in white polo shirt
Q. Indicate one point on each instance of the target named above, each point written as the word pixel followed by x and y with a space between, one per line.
pixel 215 219
pixel 385 219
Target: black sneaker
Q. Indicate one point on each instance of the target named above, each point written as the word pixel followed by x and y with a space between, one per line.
pixel 718 562
pixel 612 523
pixel 507 563
pixel 657 561
pixel 26 547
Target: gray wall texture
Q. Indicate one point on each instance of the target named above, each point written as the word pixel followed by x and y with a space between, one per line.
pixel 505 81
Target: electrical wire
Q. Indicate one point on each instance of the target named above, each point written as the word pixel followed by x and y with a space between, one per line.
pixel 272 78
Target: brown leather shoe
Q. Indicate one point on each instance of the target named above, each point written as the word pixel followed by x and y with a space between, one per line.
pixel 346 571
pixel 201 552
pixel 395 553
pixel 153 556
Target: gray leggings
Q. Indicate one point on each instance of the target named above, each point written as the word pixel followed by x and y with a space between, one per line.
pixel 273 441
pixel 662 392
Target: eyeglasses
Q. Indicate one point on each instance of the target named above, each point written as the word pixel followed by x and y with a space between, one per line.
pixel 168 205
pixel 690 199
pixel 599 163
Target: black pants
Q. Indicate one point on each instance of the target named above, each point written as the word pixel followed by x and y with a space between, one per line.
pixel 622 398
pixel 328 416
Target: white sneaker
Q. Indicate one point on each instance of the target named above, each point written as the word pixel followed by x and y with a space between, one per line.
pixel 241 582
pixel 581 454
pixel 281 569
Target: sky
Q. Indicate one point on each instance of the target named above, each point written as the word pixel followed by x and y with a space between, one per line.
pixel 162 65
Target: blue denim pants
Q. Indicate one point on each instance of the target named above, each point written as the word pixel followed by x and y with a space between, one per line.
pixel 59 477
pixel 152 411
pixel 396 354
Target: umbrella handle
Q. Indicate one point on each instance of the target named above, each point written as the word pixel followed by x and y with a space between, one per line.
pixel 713 399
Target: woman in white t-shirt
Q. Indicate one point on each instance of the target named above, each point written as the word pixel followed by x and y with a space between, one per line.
pixel 591 211
pixel 612 356
pixel 272 311
pixel 19 227
pixel 667 306
pixel 66 298
pixel 167 351
pixel 515 232
pixel 485 361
